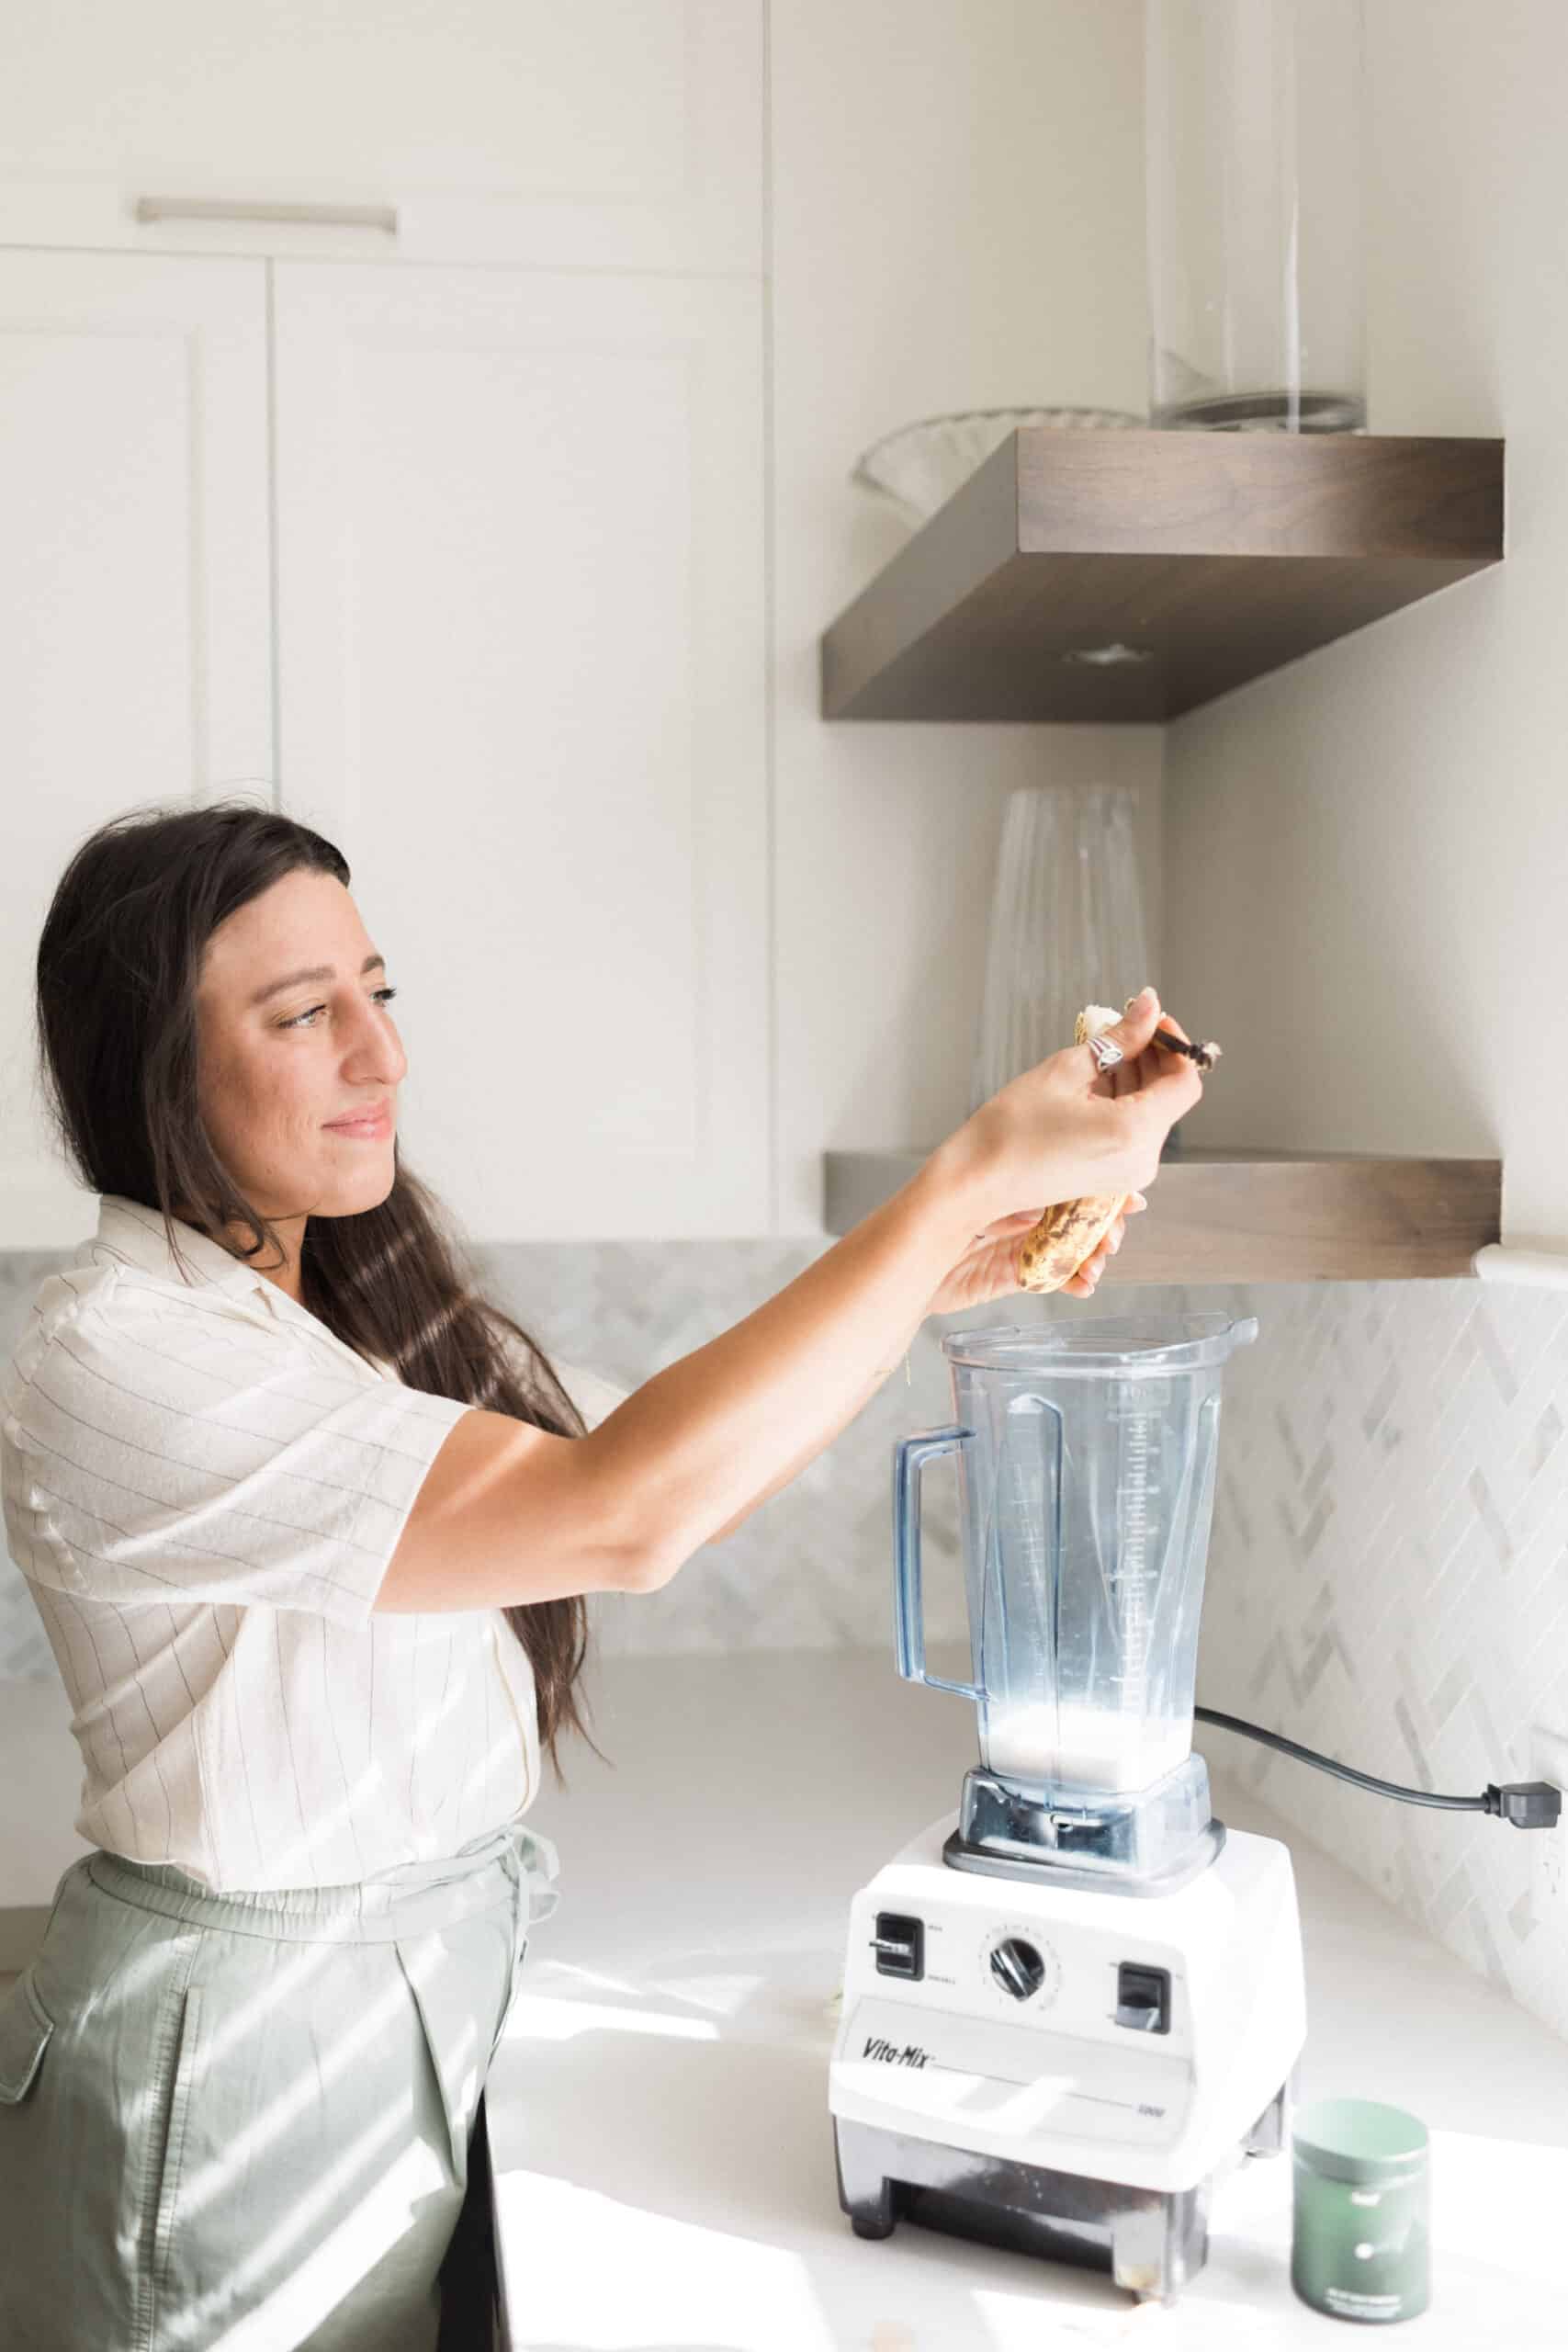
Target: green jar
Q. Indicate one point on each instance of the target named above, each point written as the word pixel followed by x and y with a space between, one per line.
pixel 1360 2232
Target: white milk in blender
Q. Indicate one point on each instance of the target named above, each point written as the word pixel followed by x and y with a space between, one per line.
pixel 1090 1747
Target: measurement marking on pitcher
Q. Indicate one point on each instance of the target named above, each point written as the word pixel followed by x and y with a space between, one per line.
pixel 1130 1575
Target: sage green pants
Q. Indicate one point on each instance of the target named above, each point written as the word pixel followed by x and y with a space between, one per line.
pixel 245 2120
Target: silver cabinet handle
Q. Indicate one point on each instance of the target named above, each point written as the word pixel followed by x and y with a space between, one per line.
pixel 216 208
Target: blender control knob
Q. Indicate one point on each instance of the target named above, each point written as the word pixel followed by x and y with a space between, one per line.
pixel 1018 1968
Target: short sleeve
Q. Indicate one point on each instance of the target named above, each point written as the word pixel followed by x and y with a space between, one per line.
pixel 191 1453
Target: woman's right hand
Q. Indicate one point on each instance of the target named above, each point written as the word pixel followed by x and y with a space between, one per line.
pixel 1066 1130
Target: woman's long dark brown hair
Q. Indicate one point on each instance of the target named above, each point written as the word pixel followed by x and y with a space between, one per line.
pixel 118 962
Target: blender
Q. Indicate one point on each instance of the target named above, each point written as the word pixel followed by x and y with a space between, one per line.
pixel 1072 2007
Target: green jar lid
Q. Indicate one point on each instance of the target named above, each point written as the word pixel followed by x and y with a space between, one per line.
pixel 1359 2139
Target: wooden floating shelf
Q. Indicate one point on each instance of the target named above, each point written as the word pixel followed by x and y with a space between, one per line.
pixel 1261 1217
pixel 1212 557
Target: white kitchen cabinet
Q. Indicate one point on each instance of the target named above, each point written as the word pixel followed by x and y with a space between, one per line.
pixel 476 537
pixel 608 134
pixel 135 660
pixel 521 682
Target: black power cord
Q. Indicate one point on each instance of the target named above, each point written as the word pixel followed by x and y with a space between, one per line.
pixel 1529 1805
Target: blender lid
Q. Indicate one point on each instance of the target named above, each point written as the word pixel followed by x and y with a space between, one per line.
pixel 1124 1343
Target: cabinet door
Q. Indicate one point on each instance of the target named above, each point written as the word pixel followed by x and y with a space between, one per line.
pixel 601 133
pixel 135 621
pixel 521 684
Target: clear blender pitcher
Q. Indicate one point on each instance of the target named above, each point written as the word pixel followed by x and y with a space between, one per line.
pixel 1087 1456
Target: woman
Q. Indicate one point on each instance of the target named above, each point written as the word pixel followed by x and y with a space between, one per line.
pixel 312 1546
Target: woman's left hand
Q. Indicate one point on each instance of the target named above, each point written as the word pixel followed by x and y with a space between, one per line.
pixel 988 1268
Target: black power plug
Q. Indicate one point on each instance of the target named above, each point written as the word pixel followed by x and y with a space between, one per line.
pixel 1529 1805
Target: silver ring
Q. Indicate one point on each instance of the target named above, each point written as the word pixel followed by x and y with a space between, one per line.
pixel 1106 1052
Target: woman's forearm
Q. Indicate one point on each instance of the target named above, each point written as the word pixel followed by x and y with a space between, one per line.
pixel 701 1441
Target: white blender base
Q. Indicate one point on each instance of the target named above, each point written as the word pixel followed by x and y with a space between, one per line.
pixel 996 2094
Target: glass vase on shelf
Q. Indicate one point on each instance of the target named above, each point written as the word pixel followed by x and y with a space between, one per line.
pixel 1253 187
pixel 1066 926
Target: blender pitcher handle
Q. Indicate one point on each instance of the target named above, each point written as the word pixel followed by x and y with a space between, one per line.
pixel 910 1456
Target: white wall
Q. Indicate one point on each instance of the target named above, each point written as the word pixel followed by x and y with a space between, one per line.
pixel 956 221
pixel 1369 849
pixel 1365 876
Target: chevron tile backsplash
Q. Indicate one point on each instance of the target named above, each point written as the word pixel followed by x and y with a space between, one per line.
pixel 1388 1573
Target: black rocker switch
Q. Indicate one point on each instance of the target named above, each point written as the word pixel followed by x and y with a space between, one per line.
pixel 1142 1998
pixel 900 1945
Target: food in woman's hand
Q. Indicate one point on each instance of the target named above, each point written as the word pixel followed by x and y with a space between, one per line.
pixel 1052 1251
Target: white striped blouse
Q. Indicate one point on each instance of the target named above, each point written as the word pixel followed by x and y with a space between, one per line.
pixel 203 1487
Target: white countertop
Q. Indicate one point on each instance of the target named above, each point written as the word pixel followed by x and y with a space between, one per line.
pixel 658 2111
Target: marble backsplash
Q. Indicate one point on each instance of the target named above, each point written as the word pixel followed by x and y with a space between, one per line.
pixel 1388 1570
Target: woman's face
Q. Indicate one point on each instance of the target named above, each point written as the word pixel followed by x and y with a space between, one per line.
pixel 279 1063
